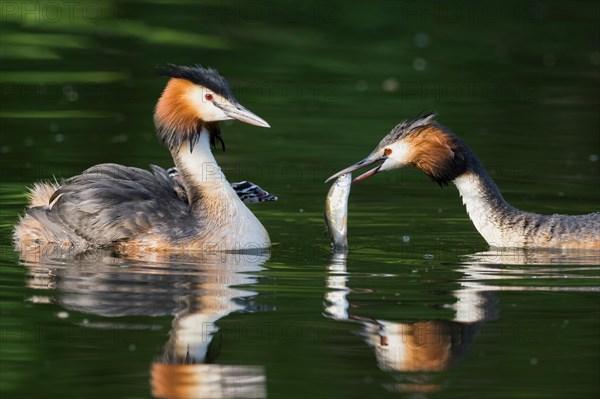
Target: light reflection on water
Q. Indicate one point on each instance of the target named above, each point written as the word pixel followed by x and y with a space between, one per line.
pixel 198 290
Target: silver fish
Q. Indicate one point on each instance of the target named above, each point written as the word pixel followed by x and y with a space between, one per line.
pixel 336 211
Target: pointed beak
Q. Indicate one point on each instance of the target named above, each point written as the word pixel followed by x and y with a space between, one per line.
pixel 237 111
pixel 359 165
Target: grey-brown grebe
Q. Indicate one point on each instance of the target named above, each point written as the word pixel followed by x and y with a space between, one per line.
pixel 133 208
pixel 442 156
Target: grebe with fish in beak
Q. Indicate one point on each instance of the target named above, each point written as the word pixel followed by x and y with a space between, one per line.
pixel 441 155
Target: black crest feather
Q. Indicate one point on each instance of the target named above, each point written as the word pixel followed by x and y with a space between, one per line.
pixel 406 126
pixel 207 77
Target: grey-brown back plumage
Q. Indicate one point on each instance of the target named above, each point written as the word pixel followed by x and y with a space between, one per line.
pixel 109 203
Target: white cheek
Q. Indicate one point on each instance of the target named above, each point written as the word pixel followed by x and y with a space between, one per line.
pixel 399 156
pixel 212 113
pixel 207 111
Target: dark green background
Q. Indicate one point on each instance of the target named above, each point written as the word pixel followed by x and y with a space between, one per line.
pixel 518 81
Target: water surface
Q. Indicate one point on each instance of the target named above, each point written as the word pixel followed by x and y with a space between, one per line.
pixel 438 314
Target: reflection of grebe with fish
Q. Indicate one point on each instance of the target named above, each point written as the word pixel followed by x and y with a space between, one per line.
pixel 412 350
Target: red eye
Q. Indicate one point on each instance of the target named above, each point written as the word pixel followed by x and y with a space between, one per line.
pixel 208 96
pixel 387 151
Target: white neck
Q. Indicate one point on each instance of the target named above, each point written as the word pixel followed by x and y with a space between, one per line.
pixel 200 165
pixel 486 208
pixel 226 222
pixel 504 226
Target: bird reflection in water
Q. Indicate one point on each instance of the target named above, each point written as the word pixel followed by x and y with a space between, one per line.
pixel 414 352
pixel 196 289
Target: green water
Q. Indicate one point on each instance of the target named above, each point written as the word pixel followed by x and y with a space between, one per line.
pixel 438 316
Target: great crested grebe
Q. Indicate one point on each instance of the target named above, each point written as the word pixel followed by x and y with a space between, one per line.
pixel 133 208
pixel 442 156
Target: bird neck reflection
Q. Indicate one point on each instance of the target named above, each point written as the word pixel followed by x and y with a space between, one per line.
pixel 412 349
pixel 185 368
pixel 196 288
